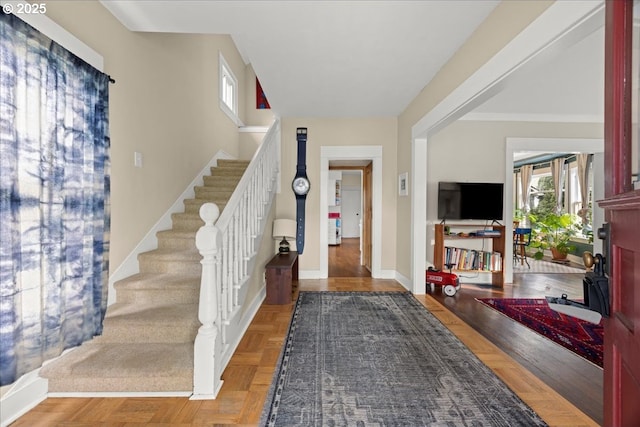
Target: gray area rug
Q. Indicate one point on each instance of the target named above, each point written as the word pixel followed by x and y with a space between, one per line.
pixel 380 358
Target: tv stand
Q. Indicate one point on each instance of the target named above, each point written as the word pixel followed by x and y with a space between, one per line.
pixel 488 261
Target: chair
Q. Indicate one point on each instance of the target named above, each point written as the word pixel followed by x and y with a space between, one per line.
pixel 521 240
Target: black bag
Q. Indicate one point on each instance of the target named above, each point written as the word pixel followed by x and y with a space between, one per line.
pixel 596 292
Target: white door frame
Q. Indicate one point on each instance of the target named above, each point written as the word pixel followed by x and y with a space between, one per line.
pixel 355 152
pixel 560 24
pixel 549 145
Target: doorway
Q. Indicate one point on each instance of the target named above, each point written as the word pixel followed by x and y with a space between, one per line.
pixel 550 145
pixel 347 255
pixel 369 160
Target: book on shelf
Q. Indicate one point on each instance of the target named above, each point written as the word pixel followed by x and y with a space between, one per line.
pixel 471 259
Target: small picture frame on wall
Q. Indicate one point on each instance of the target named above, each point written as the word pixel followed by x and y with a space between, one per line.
pixel 403 184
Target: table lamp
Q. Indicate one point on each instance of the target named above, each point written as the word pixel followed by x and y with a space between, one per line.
pixel 283 228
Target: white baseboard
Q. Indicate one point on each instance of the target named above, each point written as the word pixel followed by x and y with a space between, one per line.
pixel 104 394
pixel 24 395
pixel 309 274
pixel 386 274
pixel 476 278
pixel 405 281
pixel 149 242
pixel 382 274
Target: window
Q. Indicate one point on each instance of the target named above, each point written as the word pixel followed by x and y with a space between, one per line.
pixel 542 198
pixel 228 91
pixel 53 298
pixel 575 197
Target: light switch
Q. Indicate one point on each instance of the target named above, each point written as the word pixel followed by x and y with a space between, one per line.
pixel 137 159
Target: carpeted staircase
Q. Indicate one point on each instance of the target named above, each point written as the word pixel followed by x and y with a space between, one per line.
pixel 147 341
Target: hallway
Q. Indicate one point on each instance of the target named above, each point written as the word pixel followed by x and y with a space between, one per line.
pixel 344 259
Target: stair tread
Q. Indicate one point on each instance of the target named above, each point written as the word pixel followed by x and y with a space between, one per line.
pixel 229 168
pixel 221 202
pixel 221 182
pixel 223 178
pixel 212 189
pixel 172 254
pixel 158 281
pixel 237 165
pixel 223 162
pixel 227 172
pixel 135 314
pixel 176 234
pixel 187 215
pixel 122 360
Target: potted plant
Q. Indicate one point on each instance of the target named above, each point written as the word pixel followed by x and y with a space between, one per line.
pixel 522 219
pixel 554 232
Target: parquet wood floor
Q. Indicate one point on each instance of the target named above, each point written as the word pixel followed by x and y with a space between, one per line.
pixel 249 374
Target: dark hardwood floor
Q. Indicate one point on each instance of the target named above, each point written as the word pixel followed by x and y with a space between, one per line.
pixel 344 260
pixel 573 377
pixel 576 379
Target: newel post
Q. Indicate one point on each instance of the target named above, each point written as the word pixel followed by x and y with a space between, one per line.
pixel 207 346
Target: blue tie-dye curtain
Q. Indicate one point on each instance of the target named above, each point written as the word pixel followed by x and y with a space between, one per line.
pixel 54 207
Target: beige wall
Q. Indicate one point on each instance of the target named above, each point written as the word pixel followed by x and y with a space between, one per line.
pixel 507 20
pixel 249 143
pixel 164 104
pixel 337 132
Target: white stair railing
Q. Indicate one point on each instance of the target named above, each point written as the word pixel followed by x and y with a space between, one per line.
pixel 227 243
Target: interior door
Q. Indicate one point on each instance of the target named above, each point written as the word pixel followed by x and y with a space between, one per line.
pixel 367 203
pixel 622 213
pixel 350 212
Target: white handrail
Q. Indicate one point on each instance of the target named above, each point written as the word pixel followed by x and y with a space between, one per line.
pixel 227 245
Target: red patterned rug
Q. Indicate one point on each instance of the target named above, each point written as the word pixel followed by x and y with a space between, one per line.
pixel 583 338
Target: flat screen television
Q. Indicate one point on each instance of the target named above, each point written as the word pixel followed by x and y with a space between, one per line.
pixel 470 200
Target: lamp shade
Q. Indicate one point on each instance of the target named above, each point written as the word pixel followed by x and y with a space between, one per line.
pixel 284 228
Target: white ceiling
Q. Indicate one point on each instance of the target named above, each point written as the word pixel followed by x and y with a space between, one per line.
pixel 371 58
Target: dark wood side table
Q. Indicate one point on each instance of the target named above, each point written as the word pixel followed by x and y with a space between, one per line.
pixel 281 270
